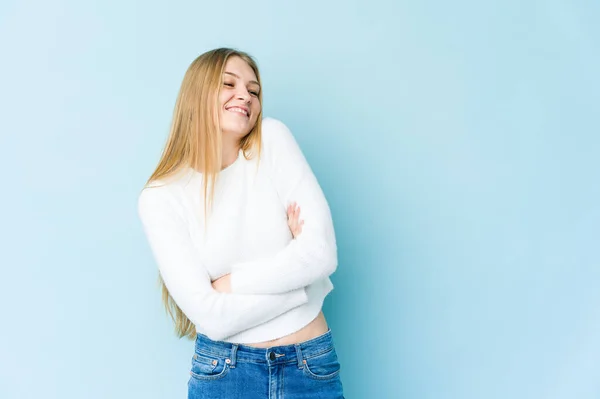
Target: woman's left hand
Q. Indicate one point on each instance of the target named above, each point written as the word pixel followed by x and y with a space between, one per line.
pixel 294 222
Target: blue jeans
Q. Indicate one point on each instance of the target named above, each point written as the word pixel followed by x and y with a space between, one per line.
pixel 306 370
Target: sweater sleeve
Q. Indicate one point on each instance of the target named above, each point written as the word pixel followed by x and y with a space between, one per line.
pixel 313 254
pixel 217 315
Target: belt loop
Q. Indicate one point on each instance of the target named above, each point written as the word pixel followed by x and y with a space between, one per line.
pixel 299 356
pixel 234 349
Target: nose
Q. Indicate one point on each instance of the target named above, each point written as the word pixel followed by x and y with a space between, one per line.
pixel 244 95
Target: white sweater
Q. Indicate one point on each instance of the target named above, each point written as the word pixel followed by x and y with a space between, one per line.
pixel 278 283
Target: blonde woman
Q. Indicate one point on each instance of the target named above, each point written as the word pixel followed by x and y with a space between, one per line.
pixel 242 274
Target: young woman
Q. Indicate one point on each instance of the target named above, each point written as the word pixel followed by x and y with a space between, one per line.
pixel 240 272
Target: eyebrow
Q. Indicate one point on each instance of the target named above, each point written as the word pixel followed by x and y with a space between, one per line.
pixel 252 81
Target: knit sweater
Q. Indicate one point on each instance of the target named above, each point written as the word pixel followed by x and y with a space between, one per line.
pixel 278 282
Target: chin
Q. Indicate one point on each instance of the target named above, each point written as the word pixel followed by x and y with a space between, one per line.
pixel 235 128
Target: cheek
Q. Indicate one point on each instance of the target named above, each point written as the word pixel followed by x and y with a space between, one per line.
pixel 224 97
pixel 256 109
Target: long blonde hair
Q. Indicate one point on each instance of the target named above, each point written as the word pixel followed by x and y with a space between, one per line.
pixel 195 141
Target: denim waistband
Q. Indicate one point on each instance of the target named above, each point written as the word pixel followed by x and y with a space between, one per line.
pixel 271 356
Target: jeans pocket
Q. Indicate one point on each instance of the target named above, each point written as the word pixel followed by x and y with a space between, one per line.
pixel 324 366
pixel 208 367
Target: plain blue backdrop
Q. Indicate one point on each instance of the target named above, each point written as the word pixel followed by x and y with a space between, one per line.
pixel 457 143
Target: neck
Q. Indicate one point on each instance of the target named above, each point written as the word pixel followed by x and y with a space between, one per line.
pixel 230 154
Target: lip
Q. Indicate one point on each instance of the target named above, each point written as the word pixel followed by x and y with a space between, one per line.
pixel 241 107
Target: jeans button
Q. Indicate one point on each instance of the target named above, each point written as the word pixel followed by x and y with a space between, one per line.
pixel 272 356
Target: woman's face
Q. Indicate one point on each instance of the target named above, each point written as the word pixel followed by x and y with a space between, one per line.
pixel 238 99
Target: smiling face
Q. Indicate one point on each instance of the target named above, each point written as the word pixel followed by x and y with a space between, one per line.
pixel 239 104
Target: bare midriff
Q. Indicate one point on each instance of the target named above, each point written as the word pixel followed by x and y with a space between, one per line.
pixel 312 330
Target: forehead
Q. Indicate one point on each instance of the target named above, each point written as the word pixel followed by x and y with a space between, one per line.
pixel 240 67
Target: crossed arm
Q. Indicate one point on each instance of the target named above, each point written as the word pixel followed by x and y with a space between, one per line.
pixel 309 256
pixel 312 255
pixel 223 284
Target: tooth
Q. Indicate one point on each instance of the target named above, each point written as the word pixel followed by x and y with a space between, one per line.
pixel 240 110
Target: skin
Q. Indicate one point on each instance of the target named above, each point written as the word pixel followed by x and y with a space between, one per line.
pixel 240 89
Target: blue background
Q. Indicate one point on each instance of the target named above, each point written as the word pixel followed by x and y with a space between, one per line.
pixel 457 143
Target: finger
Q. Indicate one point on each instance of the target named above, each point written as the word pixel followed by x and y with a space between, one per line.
pixel 292 210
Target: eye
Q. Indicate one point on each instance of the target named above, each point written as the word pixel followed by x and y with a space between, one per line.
pixel 254 93
pixel 228 84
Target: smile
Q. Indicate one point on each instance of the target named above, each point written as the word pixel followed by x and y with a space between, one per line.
pixel 238 110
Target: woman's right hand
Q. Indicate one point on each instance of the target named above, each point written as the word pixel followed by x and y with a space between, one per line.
pixel 294 222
